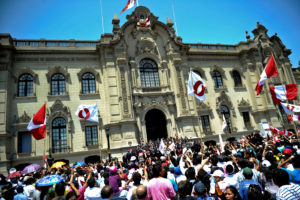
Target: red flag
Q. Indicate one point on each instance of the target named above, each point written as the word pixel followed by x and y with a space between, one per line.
pixel 269 71
pixel 45 162
pixel 129 5
pixel 37 125
pixel 284 92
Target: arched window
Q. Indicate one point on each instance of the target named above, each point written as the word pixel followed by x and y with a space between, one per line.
pixel 25 85
pixel 88 83
pixel 59 135
pixel 226 113
pixel 58 84
pixel 237 78
pixel 149 73
pixel 217 79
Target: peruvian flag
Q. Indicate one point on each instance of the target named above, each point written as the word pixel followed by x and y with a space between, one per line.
pixel 288 133
pixel 269 71
pixel 45 161
pixel 37 125
pixel 295 118
pixel 162 147
pixel 129 5
pixel 88 112
pixel 275 131
pixel 196 86
pixel 284 92
pixel 290 108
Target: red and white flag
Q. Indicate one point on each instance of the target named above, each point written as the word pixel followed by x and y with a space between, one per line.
pixel 172 146
pixel 276 131
pixel 295 118
pixel 37 125
pixel 88 112
pixel 129 5
pixel 143 22
pixel 284 92
pixel 224 124
pixel 269 71
pixel 196 86
pixel 45 161
pixel 221 143
pixel 290 108
pixel 162 147
pixel 288 133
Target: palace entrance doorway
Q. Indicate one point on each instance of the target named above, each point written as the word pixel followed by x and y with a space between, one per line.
pixel 156 124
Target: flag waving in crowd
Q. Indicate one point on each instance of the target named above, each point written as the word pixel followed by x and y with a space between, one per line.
pixel 290 108
pixel 269 71
pixel 162 147
pixel 88 112
pixel 224 124
pixel 129 5
pixel 37 125
pixel 284 92
pixel 295 118
pixel 196 86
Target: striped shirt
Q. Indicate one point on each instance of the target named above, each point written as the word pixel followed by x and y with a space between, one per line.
pixel 288 192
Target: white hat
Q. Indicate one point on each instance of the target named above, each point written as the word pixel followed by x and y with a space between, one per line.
pixel 218 173
pixel 133 158
pixel 266 163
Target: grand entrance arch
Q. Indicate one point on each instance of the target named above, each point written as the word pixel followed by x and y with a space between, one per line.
pixel 156 124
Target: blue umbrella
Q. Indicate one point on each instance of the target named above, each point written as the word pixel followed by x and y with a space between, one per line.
pixel 79 163
pixel 50 180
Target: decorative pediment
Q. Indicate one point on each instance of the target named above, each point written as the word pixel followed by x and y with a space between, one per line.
pixel 57 70
pixel 244 105
pixel 88 69
pixel 203 106
pixel 142 12
pixel 224 99
pixel 22 119
pixel 25 70
pixel 217 68
pixel 58 109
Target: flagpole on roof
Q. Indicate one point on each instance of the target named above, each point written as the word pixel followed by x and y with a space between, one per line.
pixel 174 17
pixel 102 16
pixel 137 3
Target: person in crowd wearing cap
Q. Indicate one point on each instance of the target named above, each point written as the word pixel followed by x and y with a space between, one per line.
pixel 243 190
pixel 286 190
pixel 199 192
pixel 266 179
pixel 220 184
pixel 159 188
pixel 20 194
pixel 231 193
pixel 29 188
pixel 295 173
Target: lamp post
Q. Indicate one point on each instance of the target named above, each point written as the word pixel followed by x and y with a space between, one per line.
pixel 108 143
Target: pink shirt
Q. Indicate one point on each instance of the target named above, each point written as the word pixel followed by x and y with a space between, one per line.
pixel 160 189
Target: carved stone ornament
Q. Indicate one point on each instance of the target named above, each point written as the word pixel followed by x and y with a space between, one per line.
pixel 58 109
pixel 204 109
pixel 146 45
pixel 22 119
pixel 142 13
pixel 224 99
pixel 25 70
pixel 57 70
pixel 88 69
pixel 244 105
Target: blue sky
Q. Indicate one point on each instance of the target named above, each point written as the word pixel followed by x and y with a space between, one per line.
pixel 205 21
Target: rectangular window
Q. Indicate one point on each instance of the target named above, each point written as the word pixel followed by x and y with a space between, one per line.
pixel 80 44
pixel 50 44
pixel 246 118
pixel 91 135
pixel 64 44
pixel 34 44
pixel 24 142
pixel 205 123
pixel 92 44
pixel 21 43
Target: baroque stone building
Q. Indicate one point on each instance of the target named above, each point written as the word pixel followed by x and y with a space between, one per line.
pixel 138 76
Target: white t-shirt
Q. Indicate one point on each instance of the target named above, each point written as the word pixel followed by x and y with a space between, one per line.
pixel 92 193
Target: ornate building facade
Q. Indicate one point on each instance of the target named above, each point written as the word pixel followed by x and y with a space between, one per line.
pixel 138 76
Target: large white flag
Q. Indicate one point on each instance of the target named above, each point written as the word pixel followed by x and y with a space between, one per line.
pixel 221 143
pixel 290 108
pixel 196 86
pixel 88 112
pixel 224 124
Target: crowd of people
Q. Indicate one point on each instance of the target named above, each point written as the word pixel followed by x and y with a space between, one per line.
pixel 252 168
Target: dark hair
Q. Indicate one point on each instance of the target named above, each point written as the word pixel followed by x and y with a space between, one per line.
pixel 91 182
pixel 254 192
pixel 136 177
pixel 296 161
pixel 182 191
pixel 229 169
pixel 235 192
pixel 70 194
pixel 214 159
pixel 190 173
pixel 20 189
pixel 60 189
pixel 242 163
pixel 156 169
pixel 106 192
pixel 280 177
